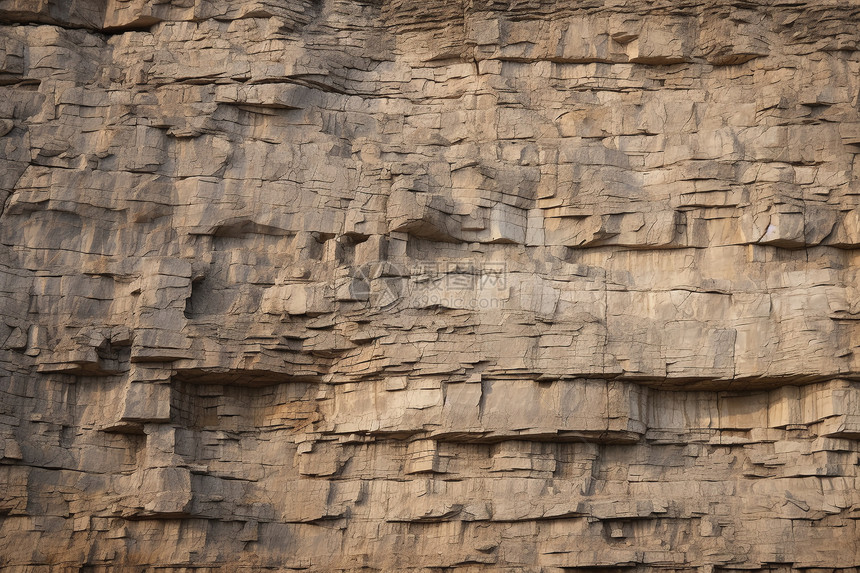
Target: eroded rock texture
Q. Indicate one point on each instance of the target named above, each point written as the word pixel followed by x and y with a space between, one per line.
pixel 429 285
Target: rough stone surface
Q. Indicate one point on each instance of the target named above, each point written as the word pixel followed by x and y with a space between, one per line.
pixel 512 285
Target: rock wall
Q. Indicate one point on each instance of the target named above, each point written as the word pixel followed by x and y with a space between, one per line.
pixel 401 285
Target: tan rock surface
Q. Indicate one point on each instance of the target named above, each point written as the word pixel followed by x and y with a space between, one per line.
pixel 333 285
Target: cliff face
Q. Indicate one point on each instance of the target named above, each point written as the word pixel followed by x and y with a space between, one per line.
pixel 429 285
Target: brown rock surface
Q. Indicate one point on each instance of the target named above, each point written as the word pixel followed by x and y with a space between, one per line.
pixel 392 285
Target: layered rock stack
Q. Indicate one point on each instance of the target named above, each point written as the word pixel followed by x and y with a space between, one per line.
pixel 429 285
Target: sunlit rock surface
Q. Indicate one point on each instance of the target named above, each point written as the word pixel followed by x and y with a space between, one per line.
pixel 430 285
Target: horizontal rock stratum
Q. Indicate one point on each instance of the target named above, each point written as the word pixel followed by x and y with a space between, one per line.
pixel 401 285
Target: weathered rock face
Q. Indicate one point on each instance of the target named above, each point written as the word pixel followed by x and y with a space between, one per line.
pixel 429 285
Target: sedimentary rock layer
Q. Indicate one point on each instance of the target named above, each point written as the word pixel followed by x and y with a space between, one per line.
pixel 334 285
